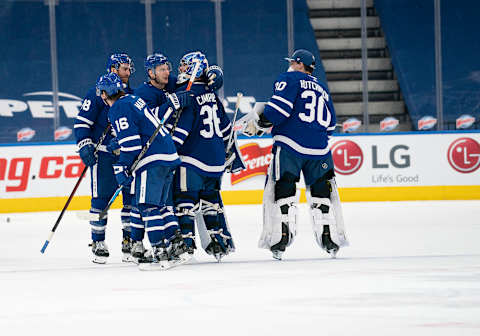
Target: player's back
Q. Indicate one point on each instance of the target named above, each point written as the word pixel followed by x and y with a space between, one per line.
pixel 302 112
pixel 131 118
pixel 199 134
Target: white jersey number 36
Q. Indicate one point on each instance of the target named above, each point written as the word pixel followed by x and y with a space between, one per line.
pixel 315 109
pixel 211 122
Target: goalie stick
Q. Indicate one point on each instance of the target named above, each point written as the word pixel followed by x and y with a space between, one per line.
pixel 96 217
pixel 50 237
pixel 237 105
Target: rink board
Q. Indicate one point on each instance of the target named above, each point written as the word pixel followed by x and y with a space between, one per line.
pixel 392 167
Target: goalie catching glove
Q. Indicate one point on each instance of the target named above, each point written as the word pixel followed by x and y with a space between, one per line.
pixel 254 123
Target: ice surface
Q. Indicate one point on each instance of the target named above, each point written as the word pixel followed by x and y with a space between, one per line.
pixel 413 268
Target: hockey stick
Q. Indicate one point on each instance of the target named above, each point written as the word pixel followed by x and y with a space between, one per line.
pixel 50 237
pixel 237 105
pixel 96 217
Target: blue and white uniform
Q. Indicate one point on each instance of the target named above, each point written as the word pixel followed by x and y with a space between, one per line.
pixel 156 100
pixel 90 123
pixel 303 118
pixel 134 124
pixel 200 136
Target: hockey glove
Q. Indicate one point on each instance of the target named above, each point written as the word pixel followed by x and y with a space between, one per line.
pixel 122 176
pixel 215 77
pixel 113 147
pixel 180 99
pixel 253 124
pixel 86 149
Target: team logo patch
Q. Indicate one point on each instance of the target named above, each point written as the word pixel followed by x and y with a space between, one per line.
pixel 25 134
pixel 351 125
pixel 388 124
pixel 426 123
pixel 464 121
pixel 464 155
pixel 347 157
pixel 62 133
pixel 256 160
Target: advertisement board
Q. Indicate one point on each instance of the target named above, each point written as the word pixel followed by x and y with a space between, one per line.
pixel 427 166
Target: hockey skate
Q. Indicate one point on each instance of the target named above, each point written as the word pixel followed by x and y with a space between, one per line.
pixel 216 248
pixel 179 253
pixel 127 250
pixel 159 262
pixel 100 252
pixel 279 248
pixel 140 254
pixel 327 242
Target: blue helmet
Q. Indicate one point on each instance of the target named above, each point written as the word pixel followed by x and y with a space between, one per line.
pixel 116 59
pixel 153 60
pixel 302 56
pixel 191 59
pixel 110 83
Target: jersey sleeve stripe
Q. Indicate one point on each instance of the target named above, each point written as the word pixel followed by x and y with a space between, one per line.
pixel 81 125
pixel 130 149
pixel 181 130
pixel 226 128
pixel 283 100
pixel 85 120
pixel 180 141
pixel 331 128
pixel 130 138
pixel 279 109
pixel 150 117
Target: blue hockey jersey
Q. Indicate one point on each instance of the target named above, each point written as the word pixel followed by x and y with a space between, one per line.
pixel 92 119
pixel 134 124
pixel 155 98
pixel 302 114
pixel 202 132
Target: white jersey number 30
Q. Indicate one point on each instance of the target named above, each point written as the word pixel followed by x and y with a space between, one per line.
pixel 315 108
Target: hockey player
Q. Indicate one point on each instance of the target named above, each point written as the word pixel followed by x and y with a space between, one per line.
pixel 90 123
pixel 157 93
pixel 302 118
pixel 200 137
pixel 134 125
pixel 162 104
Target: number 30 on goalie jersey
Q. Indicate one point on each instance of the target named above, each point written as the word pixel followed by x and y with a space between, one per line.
pixel 302 114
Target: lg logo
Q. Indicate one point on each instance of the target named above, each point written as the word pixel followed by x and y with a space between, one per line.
pixel 464 155
pixel 347 156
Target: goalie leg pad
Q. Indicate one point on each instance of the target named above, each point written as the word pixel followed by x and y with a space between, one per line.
pixel 325 210
pixel 279 199
pixel 214 223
